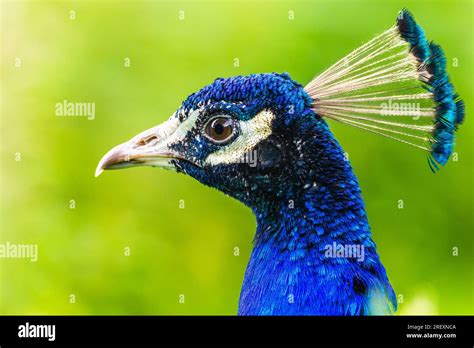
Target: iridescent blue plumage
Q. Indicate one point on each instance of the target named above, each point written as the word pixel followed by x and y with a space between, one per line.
pixel 289 272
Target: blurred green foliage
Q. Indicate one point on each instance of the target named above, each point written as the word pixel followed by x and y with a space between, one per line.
pixel 190 251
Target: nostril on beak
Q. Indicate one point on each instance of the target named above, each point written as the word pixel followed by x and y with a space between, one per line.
pixel 146 140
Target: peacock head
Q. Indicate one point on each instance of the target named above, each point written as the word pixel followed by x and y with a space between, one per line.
pixel 242 135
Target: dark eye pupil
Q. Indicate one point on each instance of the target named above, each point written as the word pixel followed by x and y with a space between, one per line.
pixel 219 129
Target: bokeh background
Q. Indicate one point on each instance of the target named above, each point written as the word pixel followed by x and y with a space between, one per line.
pixel 191 251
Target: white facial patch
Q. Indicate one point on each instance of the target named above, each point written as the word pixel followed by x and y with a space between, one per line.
pixel 252 132
pixel 171 131
pixel 184 127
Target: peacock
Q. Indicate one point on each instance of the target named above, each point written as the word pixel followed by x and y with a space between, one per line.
pixel 263 140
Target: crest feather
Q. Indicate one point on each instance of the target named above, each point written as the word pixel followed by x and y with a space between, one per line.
pixel 396 86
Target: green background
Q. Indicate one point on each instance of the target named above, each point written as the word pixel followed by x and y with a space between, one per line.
pixel 190 251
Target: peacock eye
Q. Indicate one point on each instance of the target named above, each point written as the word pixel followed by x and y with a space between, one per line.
pixel 219 129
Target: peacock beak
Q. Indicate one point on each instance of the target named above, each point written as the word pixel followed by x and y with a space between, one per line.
pixel 149 148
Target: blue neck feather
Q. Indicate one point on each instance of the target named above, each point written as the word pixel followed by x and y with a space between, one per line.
pixel 294 268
